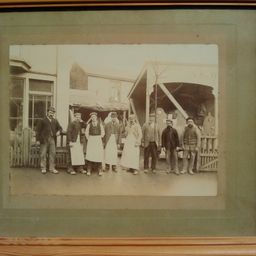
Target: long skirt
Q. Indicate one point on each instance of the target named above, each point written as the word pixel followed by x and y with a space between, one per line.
pixel 131 153
pixel 111 151
pixel 95 151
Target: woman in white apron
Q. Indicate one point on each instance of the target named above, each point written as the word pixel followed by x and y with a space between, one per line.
pixel 94 152
pixel 131 152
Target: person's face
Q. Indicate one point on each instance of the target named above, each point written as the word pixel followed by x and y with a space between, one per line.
pixel 190 123
pixel 50 114
pixel 113 118
pixel 77 117
pixel 94 118
pixel 151 119
pixel 169 123
pixel 132 120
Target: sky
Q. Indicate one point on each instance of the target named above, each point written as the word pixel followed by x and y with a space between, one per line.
pixel 128 60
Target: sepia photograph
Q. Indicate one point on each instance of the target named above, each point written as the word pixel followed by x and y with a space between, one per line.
pixel 114 119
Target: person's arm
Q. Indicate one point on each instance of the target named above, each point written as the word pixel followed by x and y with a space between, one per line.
pixel 58 127
pixel 198 134
pixel 176 136
pixel 143 135
pixel 119 136
pixel 87 131
pixel 102 130
pixel 182 138
pixel 139 135
pixel 159 137
pixel 163 138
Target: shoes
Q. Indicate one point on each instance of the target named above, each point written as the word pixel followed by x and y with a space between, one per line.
pixel 100 173
pixel 54 171
pixel 43 171
pixel 168 171
pixel 145 170
pixel 183 172
pixel 88 173
pixel 114 168
pixel 135 172
pixel 83 171
pixel 154 171
pixel 177 172
pixel 191 172
pixel 72 172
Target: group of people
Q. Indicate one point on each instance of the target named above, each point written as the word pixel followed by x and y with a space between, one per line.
pixel 101 143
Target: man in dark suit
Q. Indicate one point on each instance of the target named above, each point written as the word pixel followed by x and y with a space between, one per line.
pixel 112 142
pixel 46 135
pixel 170 144
pixel 151 141
pixel 76 140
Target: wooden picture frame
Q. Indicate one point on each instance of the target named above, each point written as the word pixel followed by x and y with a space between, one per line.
pixel 120 245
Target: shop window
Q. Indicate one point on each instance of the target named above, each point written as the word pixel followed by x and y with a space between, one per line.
pixel 16 103
pixel 38 105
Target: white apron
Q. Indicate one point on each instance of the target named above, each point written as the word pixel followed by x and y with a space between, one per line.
pixel 131 153
pixel 111 151
pixel 94 150
pixel 77 153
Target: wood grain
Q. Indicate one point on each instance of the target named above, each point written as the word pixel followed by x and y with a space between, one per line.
pixel 119 3
pixel 128 246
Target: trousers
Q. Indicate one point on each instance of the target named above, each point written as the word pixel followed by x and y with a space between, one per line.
pixel 50 148
pixel 150 151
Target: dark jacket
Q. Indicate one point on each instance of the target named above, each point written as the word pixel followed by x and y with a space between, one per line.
pixel 170 138
pixel 75 129
pixel 115 129
pixel 46 129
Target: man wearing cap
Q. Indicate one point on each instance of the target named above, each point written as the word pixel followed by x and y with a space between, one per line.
pixel 76 139
pixel 170 144
pixel 112 142
pixel 190 143
pixel 46 135
pixel 151 141
pixel 94 152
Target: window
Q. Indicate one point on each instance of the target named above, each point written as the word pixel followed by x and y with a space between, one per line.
pixel 40 99
pixel 38 105
pixel 16 103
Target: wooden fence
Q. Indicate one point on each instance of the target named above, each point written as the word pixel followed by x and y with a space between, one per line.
pixel 23 153
pixel 208 154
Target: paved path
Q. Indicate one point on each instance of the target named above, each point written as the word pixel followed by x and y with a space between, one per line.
pixel 31 181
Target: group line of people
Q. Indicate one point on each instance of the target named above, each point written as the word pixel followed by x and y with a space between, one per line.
pixel 104 140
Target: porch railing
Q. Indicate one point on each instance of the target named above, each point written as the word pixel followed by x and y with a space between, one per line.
pixel 208 154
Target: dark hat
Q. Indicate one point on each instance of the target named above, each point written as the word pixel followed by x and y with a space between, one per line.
pixel 52 109
pixel 113 114
pixel 93 113
pixel 77 113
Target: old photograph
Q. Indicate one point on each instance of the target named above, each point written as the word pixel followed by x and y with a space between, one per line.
pixel 117 119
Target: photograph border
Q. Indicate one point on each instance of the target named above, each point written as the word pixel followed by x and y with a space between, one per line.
pixel 241 245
